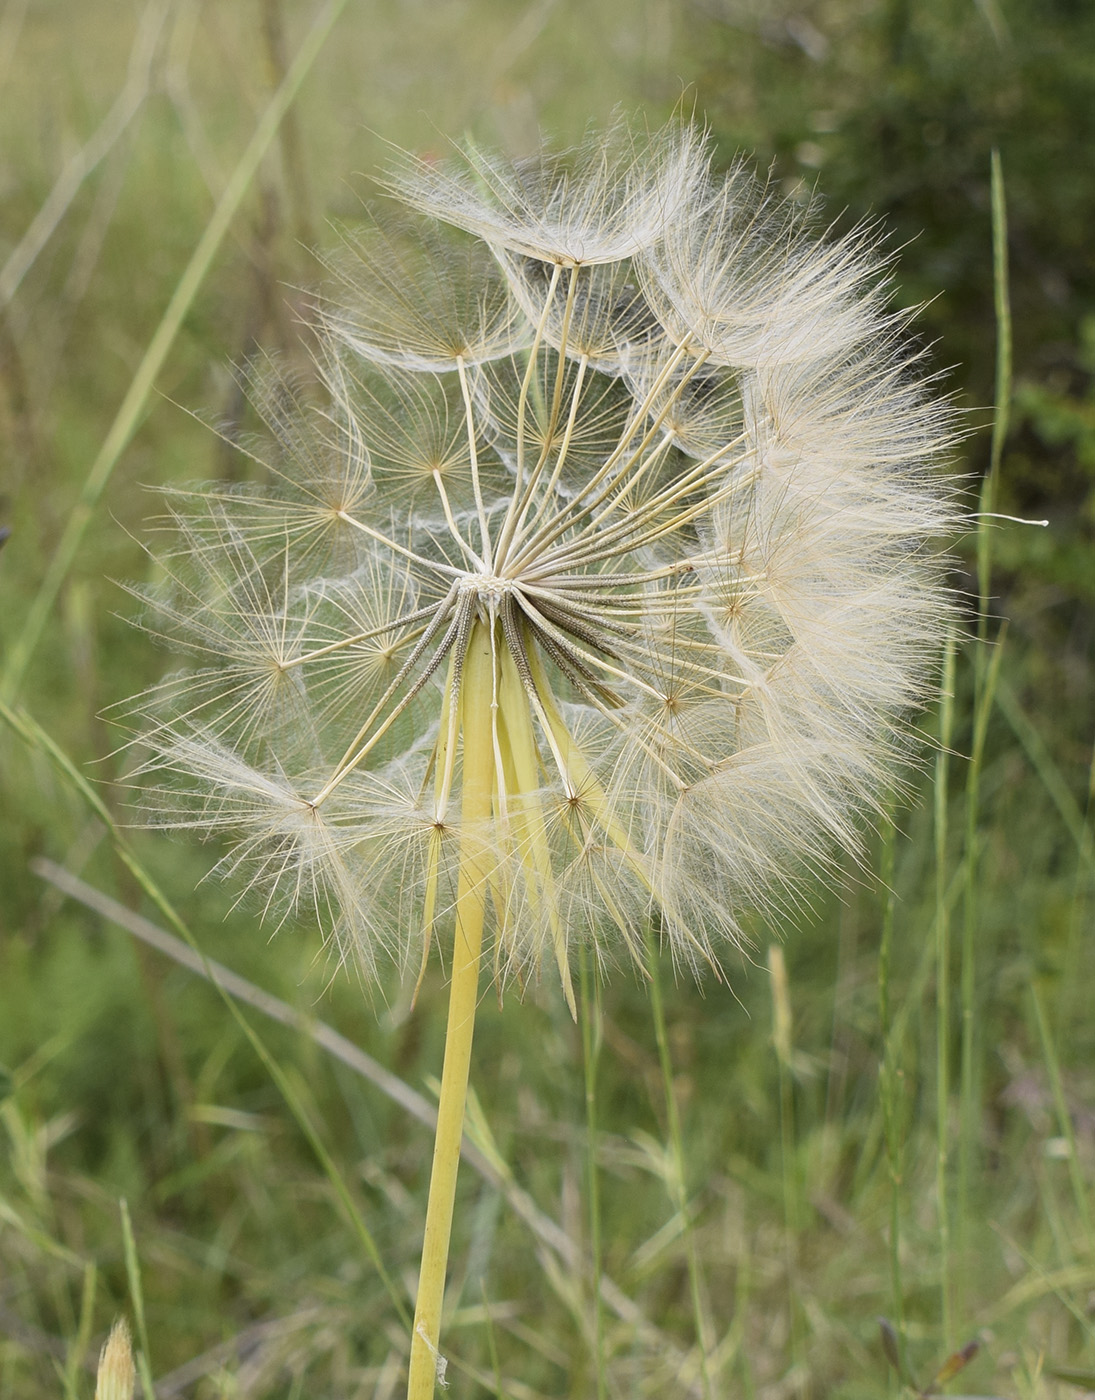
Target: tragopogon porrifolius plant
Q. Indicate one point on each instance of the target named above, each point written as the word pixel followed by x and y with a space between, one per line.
pixel 590 588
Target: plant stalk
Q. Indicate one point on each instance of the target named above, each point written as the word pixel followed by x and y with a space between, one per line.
pixel 471 890
pixel 591 1050
pixel 943 992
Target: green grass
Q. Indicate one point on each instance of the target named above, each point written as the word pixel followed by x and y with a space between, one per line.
pixel 749 1178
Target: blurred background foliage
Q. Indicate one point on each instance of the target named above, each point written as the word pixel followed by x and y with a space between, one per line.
pixel 126 1077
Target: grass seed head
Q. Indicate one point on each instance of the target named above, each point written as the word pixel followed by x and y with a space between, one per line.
pixel 116 1376
pixel 655 441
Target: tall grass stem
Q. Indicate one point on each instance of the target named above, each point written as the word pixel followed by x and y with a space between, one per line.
pixel 889 1087
pixel 78 1350
pixel 783 1041
pixel 129 414
pixel 986 667
pixel 1002 407
pixel 99 144
pixel 678 1185
pixel 591 1052
pixel 943 992
pixel 136 1296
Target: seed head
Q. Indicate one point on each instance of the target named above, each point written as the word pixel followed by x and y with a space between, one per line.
pixel 116 1376
pixel 635 427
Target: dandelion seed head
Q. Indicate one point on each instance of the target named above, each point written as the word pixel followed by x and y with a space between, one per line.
pixel 656 445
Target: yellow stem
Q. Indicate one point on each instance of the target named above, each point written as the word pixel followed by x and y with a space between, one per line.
pixel 471 891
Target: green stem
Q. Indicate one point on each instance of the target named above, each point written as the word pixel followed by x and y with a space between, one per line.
pixel 591 1049
pixel 475 811
pixel 783 1042
pixel 942 990
pixel 1002 407
pixel 678 1188
pixel 985 671
pixel 889 1087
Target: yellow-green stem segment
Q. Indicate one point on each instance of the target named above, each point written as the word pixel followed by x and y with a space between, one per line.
pixel 475 810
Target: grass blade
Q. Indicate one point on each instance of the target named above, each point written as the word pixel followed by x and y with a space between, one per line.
pixel 128 416
pixel 34 735
pixel 1052 779
pixel 136 1295
pixel 109 131
pixel 1064 1117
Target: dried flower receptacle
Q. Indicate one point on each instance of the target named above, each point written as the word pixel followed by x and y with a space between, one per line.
pixel 591 589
